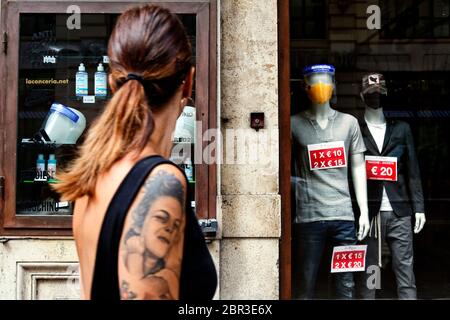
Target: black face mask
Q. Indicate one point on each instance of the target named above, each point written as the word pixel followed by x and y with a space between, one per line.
pixel 373 100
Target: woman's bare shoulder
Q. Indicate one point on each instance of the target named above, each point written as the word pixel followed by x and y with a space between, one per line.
pixel 169 169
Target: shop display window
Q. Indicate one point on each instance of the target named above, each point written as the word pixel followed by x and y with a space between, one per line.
pixel 407 43
pixel 55 69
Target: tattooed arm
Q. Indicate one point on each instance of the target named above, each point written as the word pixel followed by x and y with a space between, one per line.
pixel 152 241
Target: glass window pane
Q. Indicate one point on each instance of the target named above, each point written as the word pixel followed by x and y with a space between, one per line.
pixel 57 67
pixel 62 88
pixel 411 51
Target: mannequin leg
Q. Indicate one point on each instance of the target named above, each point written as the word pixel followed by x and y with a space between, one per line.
pixel 312 237
pixel 344 234
pixel 400 239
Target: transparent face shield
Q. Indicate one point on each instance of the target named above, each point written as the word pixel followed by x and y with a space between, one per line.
pixel 62 125
pixel 319 83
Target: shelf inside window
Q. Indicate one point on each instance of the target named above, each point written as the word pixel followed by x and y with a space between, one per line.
pixel 41 145
pixel 39 181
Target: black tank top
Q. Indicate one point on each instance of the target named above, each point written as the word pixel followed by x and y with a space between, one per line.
pixel 198 280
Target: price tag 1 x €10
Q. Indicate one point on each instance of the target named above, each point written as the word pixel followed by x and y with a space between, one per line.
pixel 348 259
pixel 381 168
pixel 327 155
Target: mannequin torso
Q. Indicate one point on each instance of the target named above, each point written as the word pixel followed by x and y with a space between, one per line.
pixel 321 113
pixel 376 117
pixel 330 125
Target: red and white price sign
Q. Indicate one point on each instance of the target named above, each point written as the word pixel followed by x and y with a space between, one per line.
pixel 381 168
pixel 349 259
pixel 327 155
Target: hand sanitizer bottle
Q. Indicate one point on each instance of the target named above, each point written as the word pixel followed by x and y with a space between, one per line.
pixel 51 167
pixel 40 167
pixel 81 81
pixel 189 170
pixel 101 81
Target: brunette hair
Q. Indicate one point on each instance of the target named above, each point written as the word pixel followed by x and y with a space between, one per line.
pixel 150 56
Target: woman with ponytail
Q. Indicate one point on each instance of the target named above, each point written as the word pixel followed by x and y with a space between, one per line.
pixel 136 236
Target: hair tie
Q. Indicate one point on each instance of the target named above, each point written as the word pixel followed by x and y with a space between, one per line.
pixel 133 76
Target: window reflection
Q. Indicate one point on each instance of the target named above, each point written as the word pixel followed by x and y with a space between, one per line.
pixel 63 86
pixel 413 53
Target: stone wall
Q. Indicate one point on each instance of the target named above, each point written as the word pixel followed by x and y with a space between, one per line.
pixel 40 268
pixel 250 200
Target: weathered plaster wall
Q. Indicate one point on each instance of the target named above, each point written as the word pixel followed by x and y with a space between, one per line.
pixel 251 204
pixel 46 268
pixel 38 269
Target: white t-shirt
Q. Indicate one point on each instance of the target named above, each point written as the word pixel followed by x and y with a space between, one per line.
pixel 378 132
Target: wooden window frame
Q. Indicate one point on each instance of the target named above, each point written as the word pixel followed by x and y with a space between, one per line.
pixel 284 105
pixel 206 99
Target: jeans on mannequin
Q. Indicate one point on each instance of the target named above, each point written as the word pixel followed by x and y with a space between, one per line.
pixel 312 239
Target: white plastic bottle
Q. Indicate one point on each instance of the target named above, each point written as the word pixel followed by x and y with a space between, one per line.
pixel 40 167
pixel 189 170
pixel 81 81
pixel 51 166
pixel 101 82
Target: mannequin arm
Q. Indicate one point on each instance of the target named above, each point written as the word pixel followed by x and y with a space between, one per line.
pixel 413 174
pixel 420 222
pixel 360 186
pixel 414 182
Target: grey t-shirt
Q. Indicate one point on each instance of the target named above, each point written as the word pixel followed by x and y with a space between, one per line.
pixel 321 185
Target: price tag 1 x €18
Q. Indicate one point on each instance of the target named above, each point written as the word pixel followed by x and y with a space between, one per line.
pixel 348 259
pixel 381 168
pixel 327 155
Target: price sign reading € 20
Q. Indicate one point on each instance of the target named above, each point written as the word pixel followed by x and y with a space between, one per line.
pixel 381 168
pixel 327 155
pixel 349 259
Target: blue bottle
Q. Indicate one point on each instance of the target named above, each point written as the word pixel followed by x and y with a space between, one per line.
pixel 81 81
pixel 40 168
pixel 101 82
pixel 51 167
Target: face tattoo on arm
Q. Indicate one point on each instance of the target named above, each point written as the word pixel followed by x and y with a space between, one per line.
pixel 152 247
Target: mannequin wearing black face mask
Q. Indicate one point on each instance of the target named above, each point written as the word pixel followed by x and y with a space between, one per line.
pixel 374 111
pixel 372 100
pixel 392 202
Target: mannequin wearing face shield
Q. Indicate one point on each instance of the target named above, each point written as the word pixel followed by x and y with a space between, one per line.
pixel 392 200
pixel 323 204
